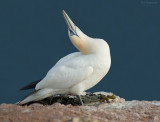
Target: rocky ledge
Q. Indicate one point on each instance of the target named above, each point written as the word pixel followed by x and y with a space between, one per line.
pixel 106 109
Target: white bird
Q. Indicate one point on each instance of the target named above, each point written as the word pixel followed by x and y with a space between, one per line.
pixel 76 72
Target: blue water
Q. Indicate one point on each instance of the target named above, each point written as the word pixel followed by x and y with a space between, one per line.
pixel 33 37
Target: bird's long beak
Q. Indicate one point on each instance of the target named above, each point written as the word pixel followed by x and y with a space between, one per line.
pixel 77 41
pixel 71 26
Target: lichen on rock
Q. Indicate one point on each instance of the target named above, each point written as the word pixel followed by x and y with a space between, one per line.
pixel 93 99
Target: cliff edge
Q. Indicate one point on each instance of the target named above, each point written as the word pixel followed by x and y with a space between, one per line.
pixel 113 110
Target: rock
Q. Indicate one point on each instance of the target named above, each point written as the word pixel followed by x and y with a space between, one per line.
pixel 116 110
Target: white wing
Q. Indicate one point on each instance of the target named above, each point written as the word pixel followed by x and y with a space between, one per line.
pixel 67 58
pixel 64 75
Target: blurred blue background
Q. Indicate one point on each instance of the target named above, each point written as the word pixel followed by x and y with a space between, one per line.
pixel 33 37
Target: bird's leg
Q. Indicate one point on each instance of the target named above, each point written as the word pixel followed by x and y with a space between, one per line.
pixel 51 98
pixel 81 102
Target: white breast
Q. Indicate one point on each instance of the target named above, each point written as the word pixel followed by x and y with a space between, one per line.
pixel 77 72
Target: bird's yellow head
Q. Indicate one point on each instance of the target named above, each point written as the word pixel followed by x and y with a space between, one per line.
pixel 81 41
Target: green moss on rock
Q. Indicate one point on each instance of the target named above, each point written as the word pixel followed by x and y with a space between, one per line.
pixel 88 99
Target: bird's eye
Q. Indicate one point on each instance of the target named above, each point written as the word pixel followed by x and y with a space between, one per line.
pixel 71 33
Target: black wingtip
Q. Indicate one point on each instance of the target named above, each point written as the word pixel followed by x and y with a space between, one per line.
pixel 32 85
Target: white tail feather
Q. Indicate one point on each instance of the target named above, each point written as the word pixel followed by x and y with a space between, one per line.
pixel 41 94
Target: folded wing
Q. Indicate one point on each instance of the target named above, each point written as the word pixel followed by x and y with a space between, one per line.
pixel 63 77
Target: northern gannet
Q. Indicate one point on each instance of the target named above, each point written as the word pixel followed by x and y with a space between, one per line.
pixel 76 72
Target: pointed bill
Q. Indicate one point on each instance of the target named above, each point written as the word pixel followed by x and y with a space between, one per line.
pixel 70 24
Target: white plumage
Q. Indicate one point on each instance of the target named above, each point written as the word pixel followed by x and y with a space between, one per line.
pixel 77 71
